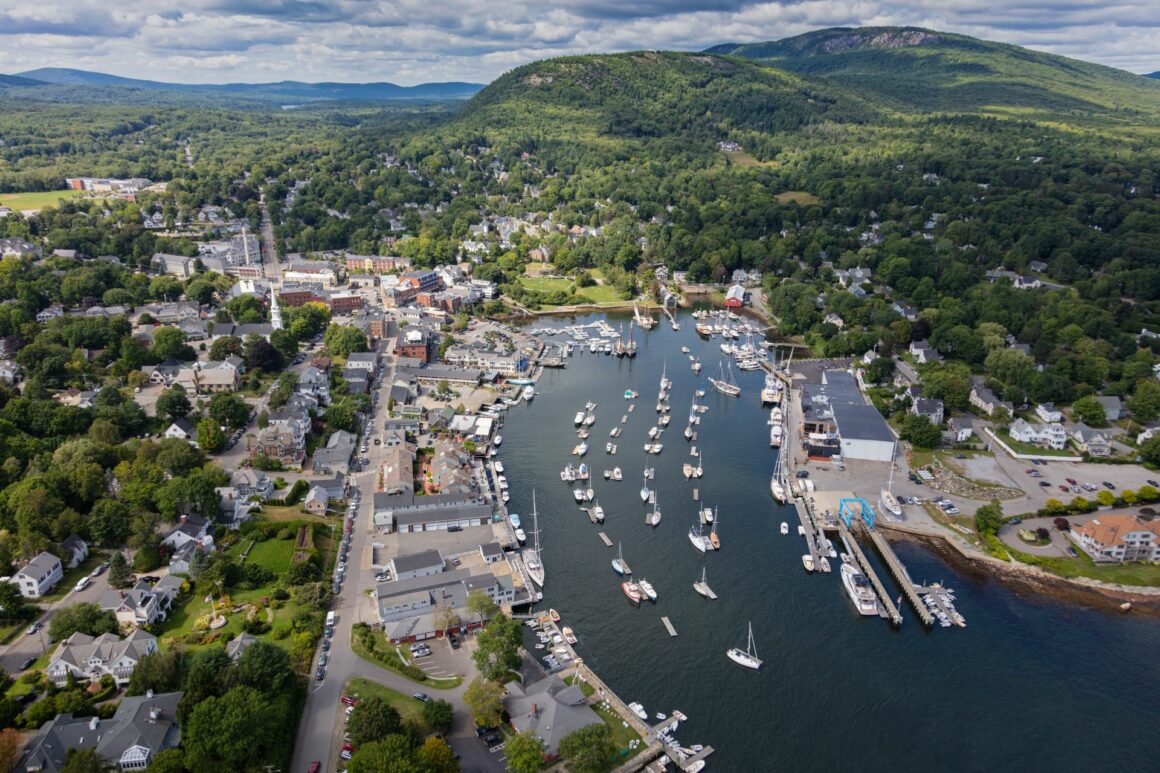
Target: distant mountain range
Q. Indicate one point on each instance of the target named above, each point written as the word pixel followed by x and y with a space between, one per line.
pixel 284 92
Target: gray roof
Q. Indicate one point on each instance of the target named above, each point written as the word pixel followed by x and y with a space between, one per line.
pixel 549 709
pixel 363 357
pixel 41 566
pixel 491 549
pixel 841 387
pixel 861 422
pixel 413 561
pixel 461 512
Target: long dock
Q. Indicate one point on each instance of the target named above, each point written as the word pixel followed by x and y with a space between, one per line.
pixel 604 538
pixel 811 534
pixel 884 598
pixel 901 577
pixel 668 625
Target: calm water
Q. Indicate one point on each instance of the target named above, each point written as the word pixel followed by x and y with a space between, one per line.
pixel 1029 685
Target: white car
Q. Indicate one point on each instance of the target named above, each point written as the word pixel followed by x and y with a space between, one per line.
pixel 83 583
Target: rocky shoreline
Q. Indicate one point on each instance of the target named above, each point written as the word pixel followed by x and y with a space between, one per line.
pixel 1030 580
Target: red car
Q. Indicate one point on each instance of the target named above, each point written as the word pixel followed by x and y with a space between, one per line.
pixel 1064 488
pixel 1072 481
pixel 349 701
pixel 314 767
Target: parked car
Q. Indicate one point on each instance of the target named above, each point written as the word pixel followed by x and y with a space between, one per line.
pixel 1152 483
pixel 1044 483
pixel 26 664
pixel 1015 521
pixel 803 473
pixel 82 583
pixel 1072 481
pixel 320 674
pixel 421 696
pixel 33 628
pixel 1109 485
pixel 350 700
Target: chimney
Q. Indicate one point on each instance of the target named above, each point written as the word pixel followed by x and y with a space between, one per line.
pixel 154 713
pixel 148 694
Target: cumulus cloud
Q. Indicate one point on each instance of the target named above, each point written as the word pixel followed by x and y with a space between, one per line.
pixel 411 41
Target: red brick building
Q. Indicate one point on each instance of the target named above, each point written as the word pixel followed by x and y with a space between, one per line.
pixel 346 303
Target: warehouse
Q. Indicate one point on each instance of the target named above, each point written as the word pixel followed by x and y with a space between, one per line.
pixel 863 432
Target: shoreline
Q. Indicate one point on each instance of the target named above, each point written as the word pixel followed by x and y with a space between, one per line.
pixel 1027 579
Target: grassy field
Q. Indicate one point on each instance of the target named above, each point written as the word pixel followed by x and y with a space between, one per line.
pixel 798 197
pixel 37 200
pixel 600 294
pixel 743 159
pixel 274 554
pixel 536 267
pixel 622 736
pixel 408 707
pixel 545 284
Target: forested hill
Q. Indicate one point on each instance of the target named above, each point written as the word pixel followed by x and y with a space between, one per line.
pixel 917 69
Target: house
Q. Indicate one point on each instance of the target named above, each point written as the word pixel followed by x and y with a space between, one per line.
pixel 854 276
pixel 88 659
pixel 367 361
pixel 175 265
pixel 984 399
pixel 414 342
pixel 52 312
pixel 316 501
pixel 835 320
pixel 282 441
pixel 15 247
pixel 451 469
pixel 250 483
pixel 923 352
pixel 74 549
pixel 1025 282
pixel 962 427
pixel 39 576
pixel 1047 412
pixel 1091 442
pixel 1119 538
pixel 1113 407
pixel 318 273
pixel 136 606
pixel 335 455
pixel 10 372
pixel 315 382
pixel 190 528
pixel 182 559
pixel 905 311
pixel 1038 266
pixel 548 710
pixel 735 297
pixel 421 564
pixel 237 645
pixel 1047 435
pixel 142 726
pixel 334 486
pixel 491 552
pixel 182 429
pixel 929 407
pixel 398 469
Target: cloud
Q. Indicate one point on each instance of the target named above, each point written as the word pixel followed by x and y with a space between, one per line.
pixel 411 41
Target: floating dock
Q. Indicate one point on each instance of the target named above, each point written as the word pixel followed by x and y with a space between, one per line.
pixel 624 419
pixel 668 625
pixel 811 535
pixel 900 576
pixel 604 538
pixel 696 495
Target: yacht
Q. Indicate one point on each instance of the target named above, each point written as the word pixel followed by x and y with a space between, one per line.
pixel 702 587
pixel 499 466
pixel 529 392
pixel 618 564
pixel 777 489
pixel 582 473
pixel 775 435
pixel 647 589
pixel 532 560
pixel 890 503
pixel 859 590
pixel 747 657
pixel 784 528
pixel 617 474
pixel 520 536
pixel 515 519
pixel 598 512
pixel 644 492
pixel 589 494
pixel 771 391
pixel 725 386
pixel 578 419
pixel 808 562
pixel 638 709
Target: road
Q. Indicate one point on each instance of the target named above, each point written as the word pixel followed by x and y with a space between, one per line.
pixel 270 265
pixel 25 646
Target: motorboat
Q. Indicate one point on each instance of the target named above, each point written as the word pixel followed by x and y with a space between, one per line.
pixel 582 473
pixel 647 589
pixel 515 519
pixel 499 466
pixel 747 657
pixel 520 536
pixel 687 470
pixel 824 563
pixel 569 636
pixel 808 562
pixel 784 527
pixel 568 474
pixel 638 709
pixel 554 615
pixel 617 474
pixel 581 449
pixel 578 493
pixel 608 474
pixel 505 496
pixel 696 366
pixel 801 530
pixel 583 434
pixel 579 418
pixel 528 393
pixel 654 517
pixel 859 590
pixel 498 440
pixel 776 433
pixel 632 591
pixel 598 512
pixel 630 394
pixel 684 350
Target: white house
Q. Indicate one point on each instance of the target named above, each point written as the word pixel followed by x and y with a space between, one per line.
pixel 1048 435
pixel 90 658
pixel 191 528
pixel 182 429
pixel 39 576
pixel 1119 538
pixel 75 550
pixel 1048 413
pixel 923 352
pixel 1091 442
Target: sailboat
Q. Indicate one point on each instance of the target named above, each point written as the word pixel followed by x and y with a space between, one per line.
pixel 618 564
pixel 699 542
pixel 698 471
pixel 532 560
pixel 655 518
pixel 703 588
pixel 723 385
pixel 777 489
pixel 666 384
pixel 747 657
pixel 644 492
pixel 889 501
pixel 714 540
pixel 696 366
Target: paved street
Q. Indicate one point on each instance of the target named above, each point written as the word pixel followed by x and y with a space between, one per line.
pixel 25 646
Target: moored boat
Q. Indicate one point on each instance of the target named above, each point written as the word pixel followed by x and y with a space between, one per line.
pixel 632 590
pixel 647 589
pixel 746 657
pixel 808 562
pixel 859 590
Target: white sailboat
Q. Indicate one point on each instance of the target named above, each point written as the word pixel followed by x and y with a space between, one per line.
pixel 702 587
pixel 655 517
pixel 644 492
pixel 532 561
pixel 618 564
pixel 747 657
pixel 889 501
pixel 699 542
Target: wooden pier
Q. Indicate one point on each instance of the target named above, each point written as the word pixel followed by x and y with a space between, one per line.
pixel 604 538
pixel 901 577
pixel 668 625
pixel 624 419
pixel 811 535
pixel 884 598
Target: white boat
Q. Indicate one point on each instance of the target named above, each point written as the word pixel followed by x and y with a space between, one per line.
pixel 582 434
pixel 637 709
pixel 771 391
pixel 529 392
pixel 654 432
pixel 581 449
pixel 582 473
pixel 654 517
pixel 687 470
pixel 776 432
pixel 647 589
pixel 568 474
pixel 859 590
pixel 696 366
pixel 801 530
pixel 499 466
pixel 515 519
pixel 589 494
pixel 701 543
pixel 598 513
pixel 702 587
pixel 784 527
pixel 777 489
pixel 618 564
pixel 608 474
pixel 707 515
pixel 644 492
pixel 890 503
pixel 688 432
pixel 617 474
pixel 725 385
pixel 578 493
pixel 684 350
pixel 532 560
pixel 808 562
pixel 824 563
pixel 520 536
pixel 698 471
pixel 579 418
pixel 505 496
pixel 498 440
pixel 747 657
pixel 569 636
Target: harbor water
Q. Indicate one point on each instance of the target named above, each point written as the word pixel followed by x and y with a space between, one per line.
pixel 1031 684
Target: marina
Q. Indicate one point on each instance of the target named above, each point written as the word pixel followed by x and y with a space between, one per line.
pixel 762 580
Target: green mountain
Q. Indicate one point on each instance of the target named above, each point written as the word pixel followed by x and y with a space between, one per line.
pixel 917 70
pixel 281 92
pixel 16 80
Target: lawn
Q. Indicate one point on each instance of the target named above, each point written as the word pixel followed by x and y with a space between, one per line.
pixel 622 733
pixel 274 554
pixel 1083 566
pixel 797 197
pixel 184 614
pixel 37 199
pixel 408 707
pixel 599 294
pixel 545 284
pixel 1020 447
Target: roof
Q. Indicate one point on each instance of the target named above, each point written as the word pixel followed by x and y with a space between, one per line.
pixel 236 645
pixel 840 387
pixel 421 560
pixel 1110 530
pixel 454 513
pixel 41 566
pixel 861 422
pixel 491 549
pixel 549 709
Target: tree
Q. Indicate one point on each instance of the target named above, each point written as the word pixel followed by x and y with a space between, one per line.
pixel 263 666
pixel 229 409
pixel 11 742
pixel 498 647
pixel 13 606
pixel 989 518
pixel 210 437
pixel 393 754
pixel 237 731
pixel 481 605
pixel 435 756
pixel 438 714
pixel 119 574
pixel 86 761
pixel 262 355
pixel 84 617
pixel 169 343
pixel 343 340
pixel 1145 402
pixel 1106 498
pixel 589 749
pixel 172 404
pixel 373 719
pixel 524 752
pixel 159 672
pixel 1150 450
pixel 1089 411
pixel 168 761
pixel 147 558
pixel 225 346
pixel 920 432
pixel 485 699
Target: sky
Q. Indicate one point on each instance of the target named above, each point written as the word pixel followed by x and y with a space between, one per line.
pixel 417 41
